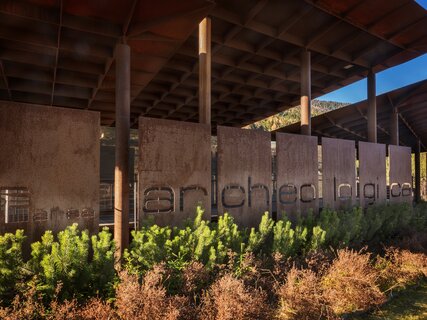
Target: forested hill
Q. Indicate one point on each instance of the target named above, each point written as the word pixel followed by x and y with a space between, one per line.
pixel 292 115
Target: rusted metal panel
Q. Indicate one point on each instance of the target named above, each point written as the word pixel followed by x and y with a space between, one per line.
pixel 338 173
pixel 244 174
pixel 174 170
pixel 372 173
pixel 51 157
pixel 400 174
pixel 297 174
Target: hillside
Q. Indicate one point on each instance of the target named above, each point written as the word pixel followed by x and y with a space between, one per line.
pixel 292 115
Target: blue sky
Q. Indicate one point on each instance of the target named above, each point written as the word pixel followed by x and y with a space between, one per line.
pixel 399 76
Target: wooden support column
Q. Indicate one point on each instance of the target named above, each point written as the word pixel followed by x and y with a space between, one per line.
pixel 394 127
pixel 418 171
pixel 121 174
pixel 205 71
pixel 372 108
pixel 305 92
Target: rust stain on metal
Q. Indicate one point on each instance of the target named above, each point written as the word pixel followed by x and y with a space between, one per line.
pixel 372 173
pixel 54 153
pixel 338 173
pixel 174 170
pixel 297 174
pixel 400 174
pixel 244 174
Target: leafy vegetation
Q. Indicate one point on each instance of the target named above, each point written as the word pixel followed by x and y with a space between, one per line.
pixel 293 115
pixel 289 270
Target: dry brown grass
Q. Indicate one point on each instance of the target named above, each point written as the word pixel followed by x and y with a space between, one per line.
pixel 314 287
pixel 399 268
pixel 195 277
pixel 229 299
pixel 146 301
pixel 28 307
pixel 351 283
pixel 300 297
pixel 96 309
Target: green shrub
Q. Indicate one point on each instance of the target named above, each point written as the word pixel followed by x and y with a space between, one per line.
pixel 419 217
pixel 318 239
pixel 228 233
pixel 352 226
pixel 198 241
pixel 65 264
pixel 259 241
pixel 284 238
pixel 147 248
pixel 330 222
pixel 11 263
pixel 102 269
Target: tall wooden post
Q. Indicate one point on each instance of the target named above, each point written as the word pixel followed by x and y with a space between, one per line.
pixel 305 92
pixel 205 71
pixel 394 127
pixel 372 108
pixel 418 171
pixel 121 174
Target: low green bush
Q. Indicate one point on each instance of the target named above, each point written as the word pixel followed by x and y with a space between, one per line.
pixel 83 266
pixel 70 267
pixel 11 263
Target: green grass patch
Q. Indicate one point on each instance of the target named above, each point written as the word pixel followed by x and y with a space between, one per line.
pixel 410 304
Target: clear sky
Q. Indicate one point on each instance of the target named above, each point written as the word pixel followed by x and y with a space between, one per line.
pixel 399 76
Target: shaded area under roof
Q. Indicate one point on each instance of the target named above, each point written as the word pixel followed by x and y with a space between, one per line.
pixel 351 122
pixel 60 52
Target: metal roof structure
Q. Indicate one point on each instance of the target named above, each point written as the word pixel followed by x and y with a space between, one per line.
pixel 350 122
pixel 61 52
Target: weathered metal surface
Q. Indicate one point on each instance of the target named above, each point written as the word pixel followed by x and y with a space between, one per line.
pixel 372 173
pixel 297 174
pixel 174 170
pixel 121 179
pixel 338 173
pixel 400 176
pixel 52 156
pixel 244 174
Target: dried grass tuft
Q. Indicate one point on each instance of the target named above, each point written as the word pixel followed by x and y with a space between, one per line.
pixel 399 268
pixel 229 299
pixel 351 283
pixel 146 301
pixel 300 297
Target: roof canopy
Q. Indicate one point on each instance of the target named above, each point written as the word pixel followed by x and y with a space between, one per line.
pixel 61 52
pixel 350 122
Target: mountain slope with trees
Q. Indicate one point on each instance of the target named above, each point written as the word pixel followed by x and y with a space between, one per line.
pixel 293 115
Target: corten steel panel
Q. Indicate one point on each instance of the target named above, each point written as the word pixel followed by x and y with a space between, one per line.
pixel 244 174
pixel 54 154
pixel 175 167
pixel 400 174
pixel 338 173
pixel 297 174
pixel 372 173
